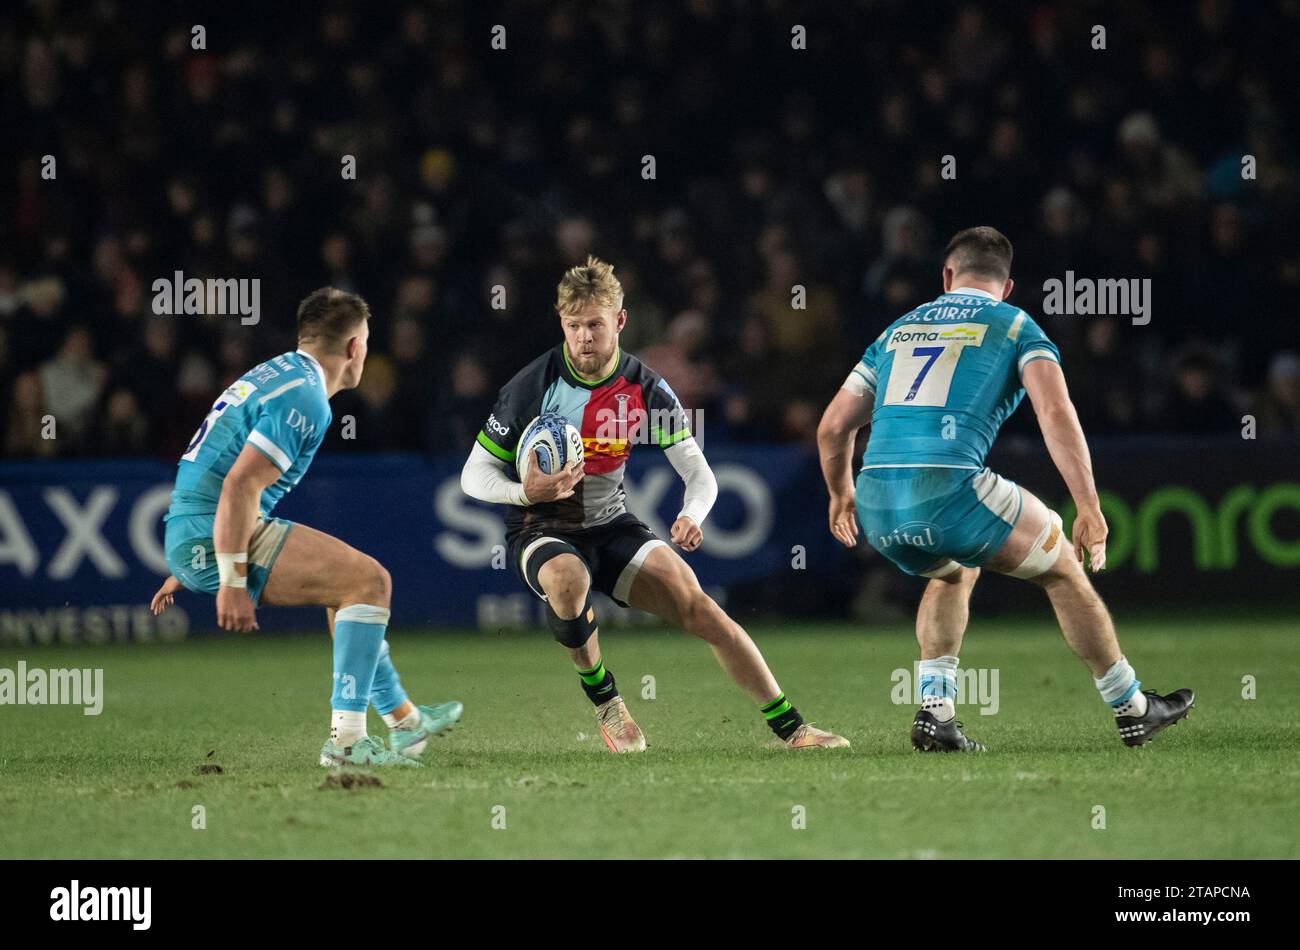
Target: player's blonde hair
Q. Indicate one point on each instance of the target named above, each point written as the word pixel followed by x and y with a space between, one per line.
pixel 592 282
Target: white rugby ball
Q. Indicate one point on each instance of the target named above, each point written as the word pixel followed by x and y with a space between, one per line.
pixel 550 442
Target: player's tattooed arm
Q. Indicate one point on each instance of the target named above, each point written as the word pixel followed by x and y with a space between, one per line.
pixel 848 412
pixel 1045 384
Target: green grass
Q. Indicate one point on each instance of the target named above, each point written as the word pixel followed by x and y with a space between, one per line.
pixel 123 784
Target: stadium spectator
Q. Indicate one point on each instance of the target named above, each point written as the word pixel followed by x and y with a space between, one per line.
pixel 468 202
pixel 70 386
pixel 26 428
pixel 1278 407
pixel 1197 402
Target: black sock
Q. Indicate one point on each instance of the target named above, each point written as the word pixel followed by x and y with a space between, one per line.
pixel 598 683
pixel 783 718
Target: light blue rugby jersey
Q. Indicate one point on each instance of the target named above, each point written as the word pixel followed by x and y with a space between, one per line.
pixel 951 367
pixel 279 407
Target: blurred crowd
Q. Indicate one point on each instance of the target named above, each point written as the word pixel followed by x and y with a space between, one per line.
pixel 482 173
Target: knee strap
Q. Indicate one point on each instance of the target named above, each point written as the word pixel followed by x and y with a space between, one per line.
pixel 576 632
pixel 1045 550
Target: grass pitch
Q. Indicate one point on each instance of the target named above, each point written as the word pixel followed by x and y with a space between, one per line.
pixel 125 784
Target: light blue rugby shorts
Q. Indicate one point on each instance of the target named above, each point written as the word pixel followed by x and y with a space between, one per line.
pixel 929 521
pixel 193 560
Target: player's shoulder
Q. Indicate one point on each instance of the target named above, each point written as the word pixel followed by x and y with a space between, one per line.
pixel 652 382
pixel 1020 324
pixel 292 380
pixel 635 369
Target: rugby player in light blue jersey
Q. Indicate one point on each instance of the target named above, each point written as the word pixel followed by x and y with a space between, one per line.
pixel 935 387
pixel 252 449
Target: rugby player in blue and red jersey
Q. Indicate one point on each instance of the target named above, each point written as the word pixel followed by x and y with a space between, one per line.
pixel 569 533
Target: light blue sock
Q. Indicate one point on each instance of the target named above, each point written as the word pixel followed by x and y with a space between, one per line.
pixel 939 686
pixel 358 633
pixel 1120 688
pixel 386 693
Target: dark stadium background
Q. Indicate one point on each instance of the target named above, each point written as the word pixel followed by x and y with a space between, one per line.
pixel 479 168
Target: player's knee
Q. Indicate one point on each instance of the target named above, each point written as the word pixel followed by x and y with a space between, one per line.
pixel 565 581
pixel 964 577
pixel 376 584
pixel 1064 572
pixel 573 632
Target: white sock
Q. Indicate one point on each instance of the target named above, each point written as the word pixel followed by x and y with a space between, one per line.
pixel 938 679
pixel 1121 689
pixel 410 722
pixel 347 726
pixel 1136 705
pixel 942 709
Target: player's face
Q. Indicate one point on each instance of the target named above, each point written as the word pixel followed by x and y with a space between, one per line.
pixel 592 336
pixel 357 349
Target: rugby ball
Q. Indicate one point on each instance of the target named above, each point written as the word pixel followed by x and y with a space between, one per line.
pixel 550 442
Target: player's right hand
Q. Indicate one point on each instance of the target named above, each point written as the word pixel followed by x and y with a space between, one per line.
pixel 540 487
pixel 165 596
pixel 1090 533
pixel 844 524
pixel 235 609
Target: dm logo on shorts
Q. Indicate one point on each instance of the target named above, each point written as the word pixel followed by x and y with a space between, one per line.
pixel 917 534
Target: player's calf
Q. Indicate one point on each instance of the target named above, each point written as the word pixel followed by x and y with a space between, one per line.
pixel 571 617
pixel 666 586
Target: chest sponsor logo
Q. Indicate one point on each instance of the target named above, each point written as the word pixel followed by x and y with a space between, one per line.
pixel 962 334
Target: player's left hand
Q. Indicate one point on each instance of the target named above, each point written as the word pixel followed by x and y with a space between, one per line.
pixel 844 524
pixel 686 534
pixel 163 599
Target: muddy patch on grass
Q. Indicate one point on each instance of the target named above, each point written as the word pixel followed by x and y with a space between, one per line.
pixel 537 781
pixel 350 780
pixel 210 769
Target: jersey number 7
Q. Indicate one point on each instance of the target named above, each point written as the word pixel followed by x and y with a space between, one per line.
pixel 922 372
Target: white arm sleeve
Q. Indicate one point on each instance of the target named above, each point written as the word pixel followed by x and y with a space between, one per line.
pixel 484 477
pixel 701 486
pixel 861 381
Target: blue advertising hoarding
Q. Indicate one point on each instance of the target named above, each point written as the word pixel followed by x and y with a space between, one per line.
pixel 81 542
